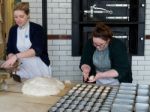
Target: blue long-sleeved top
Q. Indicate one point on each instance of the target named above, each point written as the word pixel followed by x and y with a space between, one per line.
pixel 37 38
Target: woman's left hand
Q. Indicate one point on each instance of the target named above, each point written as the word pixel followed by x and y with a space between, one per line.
pixel 97 76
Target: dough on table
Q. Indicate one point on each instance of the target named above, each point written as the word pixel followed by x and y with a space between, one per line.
pixel 42 86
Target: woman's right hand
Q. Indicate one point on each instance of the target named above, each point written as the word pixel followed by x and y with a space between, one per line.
pixel 9 62
pixel 9 56
pixel 85 71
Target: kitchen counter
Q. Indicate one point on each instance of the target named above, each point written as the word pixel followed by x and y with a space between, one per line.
pixel 103 97
pixel 13 100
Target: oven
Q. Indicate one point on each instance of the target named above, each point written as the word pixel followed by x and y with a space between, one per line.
pixel 125 17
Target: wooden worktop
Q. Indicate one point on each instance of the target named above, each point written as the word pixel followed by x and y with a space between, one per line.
pixel 13 100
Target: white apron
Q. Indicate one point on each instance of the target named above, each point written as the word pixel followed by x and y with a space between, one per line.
pixel 102 63
pixel 32 66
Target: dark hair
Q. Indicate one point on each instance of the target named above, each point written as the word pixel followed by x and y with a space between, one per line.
pixel 102 31
pixel 24 6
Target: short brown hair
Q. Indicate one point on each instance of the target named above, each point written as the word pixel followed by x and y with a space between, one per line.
pixel 102 31
pixel 24 6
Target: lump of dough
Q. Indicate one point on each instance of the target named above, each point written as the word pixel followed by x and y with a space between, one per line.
pixel 91 78
pixel 42 86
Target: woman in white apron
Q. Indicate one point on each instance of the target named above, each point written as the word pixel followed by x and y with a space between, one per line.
pixel 27 43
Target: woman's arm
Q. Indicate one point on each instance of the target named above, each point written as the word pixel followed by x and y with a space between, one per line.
pixel 86 58
pixel 107 74
pixel 26 54
pixel 12 58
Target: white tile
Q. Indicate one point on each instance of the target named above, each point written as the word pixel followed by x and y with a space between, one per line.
pixel 144 72
pixel 52 4
pixel 53 48
pixel 72 73
pixel 60 63
pixel 147 58
pixel 50 42
pixel 59 42
pixel 143 63
pixel 66 68
pixel 146 77
pixel 65 26
pixel 66 16
pixel 60 32
pixel 73 62
pixel 59 53
pixel 59 10
pixel 134 72
pixel 53 26
pixel 147 47
pixel 147 67
pixel 59 73
pixel 134 62
pixel 54 58
pixel 76 68
pixel 137 57
pixel 52 16
pixel 147 53
pixel 59 21
pixel 147 42
pixel 138 68
pixel 65 5
pixel 143 82
pixel 59 1
pixel 55 68
pixel 66 58
pixel 67 48
pixel 138 78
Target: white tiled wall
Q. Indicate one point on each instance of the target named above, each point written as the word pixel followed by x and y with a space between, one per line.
pixel 141 66
pixel 35 10
pixel 65 67
pixel 59 17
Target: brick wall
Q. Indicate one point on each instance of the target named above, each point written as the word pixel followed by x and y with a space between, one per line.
pixel 65 67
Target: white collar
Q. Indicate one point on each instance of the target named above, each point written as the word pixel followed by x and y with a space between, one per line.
pixel 24 26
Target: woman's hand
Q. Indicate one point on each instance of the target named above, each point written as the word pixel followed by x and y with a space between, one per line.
pixel 9 62
pixel 97 76
pixel 10 55
pixel 107 74
pixel 85 71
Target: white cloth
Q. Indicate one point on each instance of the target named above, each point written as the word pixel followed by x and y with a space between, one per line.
pixel 32 66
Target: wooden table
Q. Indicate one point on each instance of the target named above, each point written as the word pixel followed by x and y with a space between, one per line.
pixel 14 101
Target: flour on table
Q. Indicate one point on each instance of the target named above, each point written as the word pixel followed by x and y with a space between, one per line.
pixel 42 86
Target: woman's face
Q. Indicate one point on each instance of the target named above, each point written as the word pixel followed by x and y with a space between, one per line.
pixel 99 43
pixel 20 17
